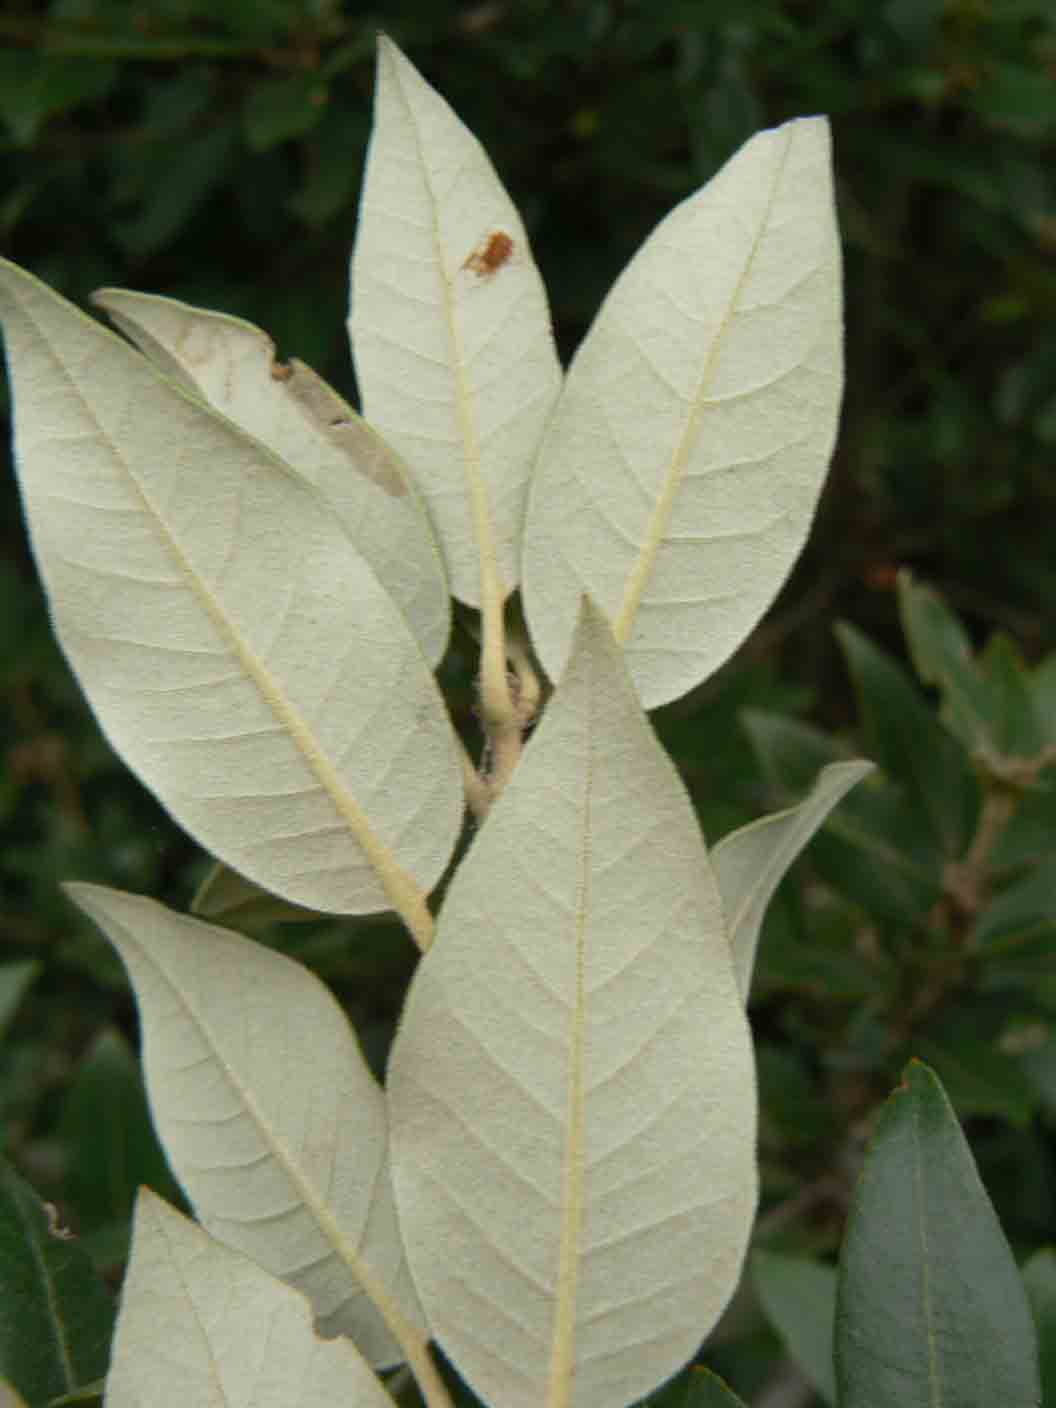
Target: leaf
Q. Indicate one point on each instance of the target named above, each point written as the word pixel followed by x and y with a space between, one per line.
pixel 930 1307
pixel 1039 1280
pixel 875 849
pixel 799 1298
pixel 1044 696
pixel 571 1087
pixel 15 979
pixel 180 174
pixel 905 738
pixel 38 83
pixel 105 1123
pixel 750 863
pixel 450 329
pixel 979 1078
pixel 696 1388
pixel 267 1111
pixel 55 1315
pixel 277 110
pixel 239 655
pixel 942 656
pixel 231 364
pixel 88 1393
pixel 201 1325
pixel 1026 903
pixel 231 899
pixel 679 473
pixel 1018 728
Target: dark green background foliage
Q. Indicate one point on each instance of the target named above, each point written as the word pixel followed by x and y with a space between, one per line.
pixel 213 153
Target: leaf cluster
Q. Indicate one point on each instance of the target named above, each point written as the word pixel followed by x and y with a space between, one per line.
pixel 924 928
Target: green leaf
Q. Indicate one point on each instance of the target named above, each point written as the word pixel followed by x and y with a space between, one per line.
pixel 279 109
pixel 201 1324
pixel 799 1298
pixel 450 328
pixel 681 467
pixel 231 899
pixel 750 863
pixel 36 86
pixel 89 1393
pixel 979 1078
pixel 790 752
pixel 905 738
pixel 1045 696
pixel 329 178
pixel 571 1086
pixel 106 1125
pixel 267 1111
pixel 184 174
pixel 55 1315
pixel 942 656
pixel 1015 96
pixel 15 978
pixel 876 848
pixel 1029 838
pixel 1019 909
pixel 1039 1278
pixel 1018 732
pixel 931 1311
pixel 1039 1060
pixel 696 1388
pixel 240 655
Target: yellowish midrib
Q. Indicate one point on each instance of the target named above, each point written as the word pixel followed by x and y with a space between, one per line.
pixel 660 518
pixel 491 587
pixel 305 1191
pixel 563 1341
pixel 396 883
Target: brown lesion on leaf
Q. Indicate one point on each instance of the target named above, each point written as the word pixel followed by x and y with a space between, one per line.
pixel 280 371
pixel 336 420
pixel 490 255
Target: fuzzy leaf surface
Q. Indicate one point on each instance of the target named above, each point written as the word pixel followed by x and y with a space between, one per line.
pixel 239 654
pixel 449 323
pixel 750 862
pixel 267 1111
pixel 680 470
pixel 201 1326
pixel 572 1088
pixel 231 364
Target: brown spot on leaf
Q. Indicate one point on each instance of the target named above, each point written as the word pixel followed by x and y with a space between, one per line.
pixel 491 255
pixel 332 417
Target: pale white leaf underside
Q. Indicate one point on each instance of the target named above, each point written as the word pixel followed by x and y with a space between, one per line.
pixel 453 348
pixel 750 863
pixel 571 1088
pixel 231 364
pixel 201 1326
pixel 680 470
pixel 269 1116
pixel 238 652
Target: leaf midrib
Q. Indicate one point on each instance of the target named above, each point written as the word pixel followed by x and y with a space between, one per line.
pixel 562 1356
pixel 659 519
pixel 376 852
pixel 305 1191
pixel 476 488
